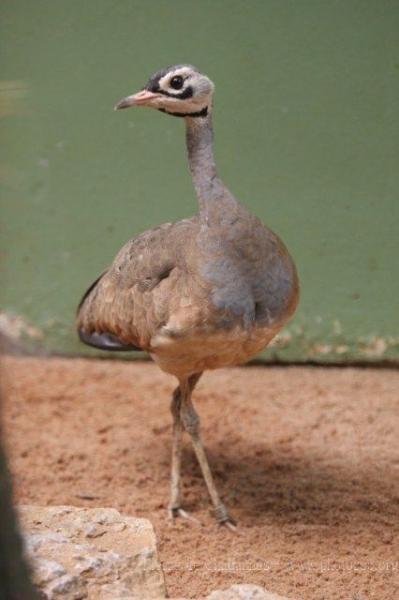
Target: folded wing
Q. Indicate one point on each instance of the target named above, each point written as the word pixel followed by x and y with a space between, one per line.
pixel 129 303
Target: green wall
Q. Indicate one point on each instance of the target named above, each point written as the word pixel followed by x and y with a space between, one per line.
pixel 306 118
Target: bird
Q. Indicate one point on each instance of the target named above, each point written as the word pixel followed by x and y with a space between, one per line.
pixel 201 293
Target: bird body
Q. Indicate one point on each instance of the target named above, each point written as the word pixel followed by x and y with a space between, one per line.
pixel 202 293
pixel 217 303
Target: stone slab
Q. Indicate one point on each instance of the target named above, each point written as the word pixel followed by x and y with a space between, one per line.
pixel 97 554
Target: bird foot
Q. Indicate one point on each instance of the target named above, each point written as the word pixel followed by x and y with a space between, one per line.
pixel 223 518
pixel 230 525
pixel 176 511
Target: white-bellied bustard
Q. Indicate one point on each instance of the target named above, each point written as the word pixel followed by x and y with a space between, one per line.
pixel 202 293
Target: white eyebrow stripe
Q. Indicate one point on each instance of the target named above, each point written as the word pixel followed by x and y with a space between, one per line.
pixel 164 81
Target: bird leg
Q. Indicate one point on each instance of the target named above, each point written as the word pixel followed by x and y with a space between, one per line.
pixel 191 424
pixel 175 509
pixel 174 506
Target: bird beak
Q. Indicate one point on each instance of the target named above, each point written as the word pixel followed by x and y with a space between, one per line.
pixel 142 98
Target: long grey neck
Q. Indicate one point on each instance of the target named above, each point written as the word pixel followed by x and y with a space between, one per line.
pixel 207 184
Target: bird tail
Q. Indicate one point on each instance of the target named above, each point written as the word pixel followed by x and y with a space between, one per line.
pixel 104 340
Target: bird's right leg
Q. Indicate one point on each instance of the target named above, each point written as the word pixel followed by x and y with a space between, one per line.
pixel 191 424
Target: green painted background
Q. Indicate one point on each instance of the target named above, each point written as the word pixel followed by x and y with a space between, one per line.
pixel 307 136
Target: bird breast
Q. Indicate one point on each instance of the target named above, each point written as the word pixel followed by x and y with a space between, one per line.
pixel 247 291
pixel 251 276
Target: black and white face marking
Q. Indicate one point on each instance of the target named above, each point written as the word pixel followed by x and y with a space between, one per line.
pixel 181 91
pixel 182 82
pixel 173 82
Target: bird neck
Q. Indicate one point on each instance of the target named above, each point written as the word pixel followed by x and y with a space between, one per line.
pixel 199 139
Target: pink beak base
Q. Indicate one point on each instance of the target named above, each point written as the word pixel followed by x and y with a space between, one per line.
pixel 139 99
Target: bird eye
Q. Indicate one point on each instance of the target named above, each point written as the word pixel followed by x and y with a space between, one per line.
pixel 177 82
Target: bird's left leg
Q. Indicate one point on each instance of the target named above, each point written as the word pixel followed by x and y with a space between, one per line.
pixel 175 509
pixel 174 505
pixel 191 423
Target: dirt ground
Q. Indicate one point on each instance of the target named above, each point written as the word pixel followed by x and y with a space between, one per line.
pixel 307 459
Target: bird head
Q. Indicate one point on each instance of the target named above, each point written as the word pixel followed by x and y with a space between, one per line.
pixel 181 91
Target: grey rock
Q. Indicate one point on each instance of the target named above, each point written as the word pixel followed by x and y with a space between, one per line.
pixel 48 570
pixel 98 554
pixel 67 586
pixel 245 592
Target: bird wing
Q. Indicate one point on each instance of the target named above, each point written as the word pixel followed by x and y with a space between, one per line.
pixel 128 304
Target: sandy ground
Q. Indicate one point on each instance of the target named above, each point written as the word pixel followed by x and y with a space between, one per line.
pixel 307 459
